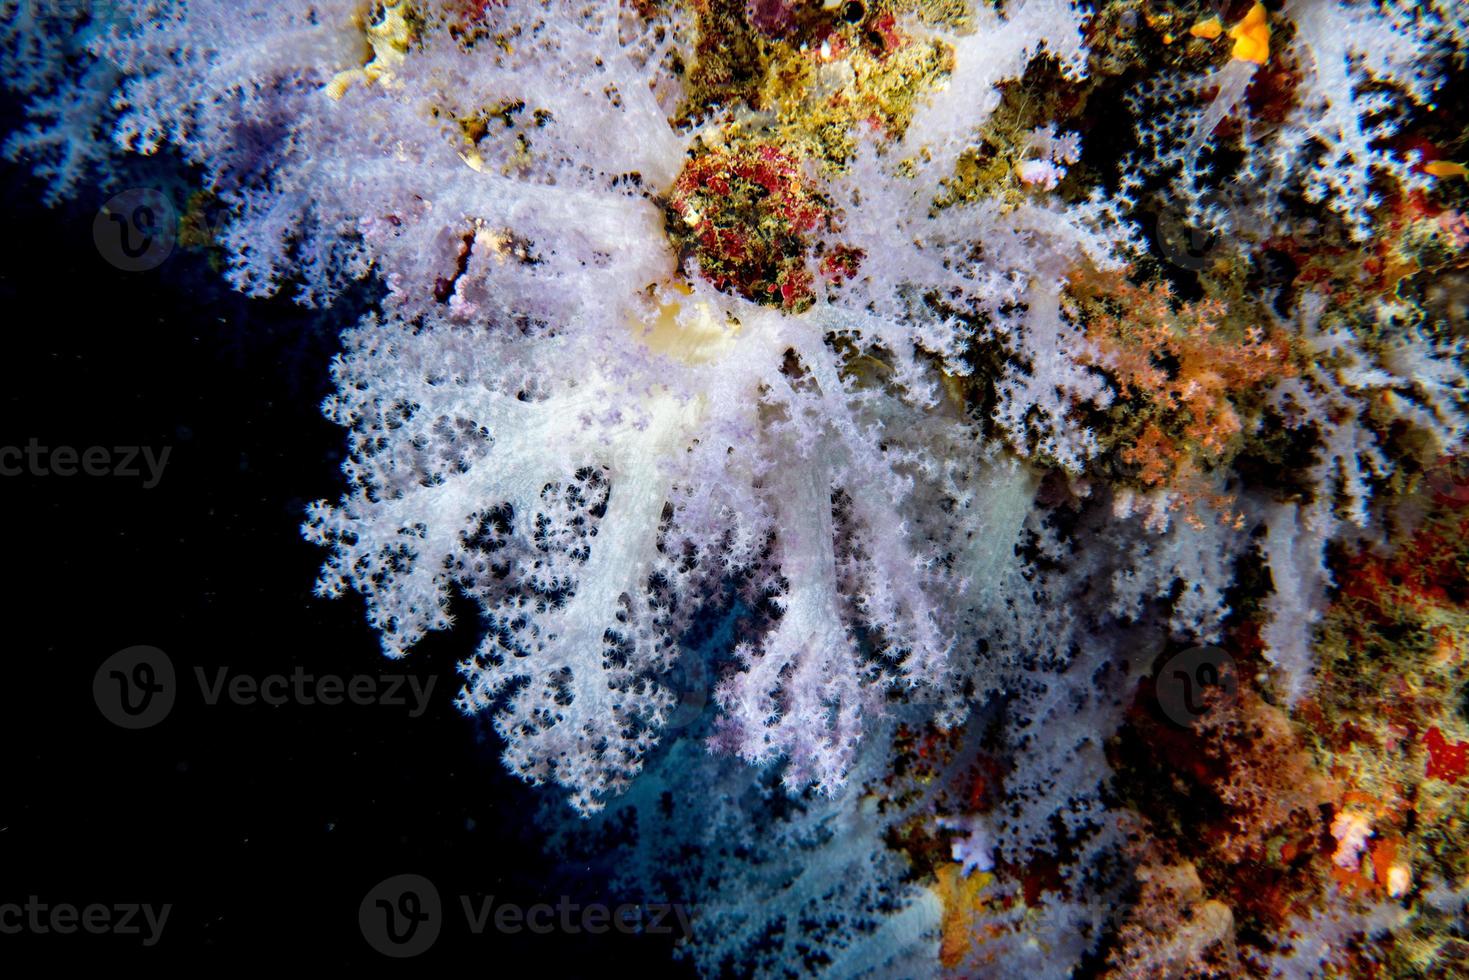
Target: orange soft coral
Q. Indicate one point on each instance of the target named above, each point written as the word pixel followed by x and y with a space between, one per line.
pixel 1183 372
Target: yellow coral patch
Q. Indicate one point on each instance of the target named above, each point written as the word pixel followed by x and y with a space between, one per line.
pixel 695 336
pixel 962 902
pixel 388 37
pixel 1251 36
pixel 1208 29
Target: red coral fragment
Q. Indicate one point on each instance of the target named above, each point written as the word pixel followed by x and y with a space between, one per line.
pixel 773 18
pixel 747 214
pixel 1446 760
pixel 885 27
pixel 841 263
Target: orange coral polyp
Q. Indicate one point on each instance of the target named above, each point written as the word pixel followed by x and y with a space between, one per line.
pixel 1208 28
pixel 1251 36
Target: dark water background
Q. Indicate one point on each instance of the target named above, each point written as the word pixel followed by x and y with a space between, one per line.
pixel 263 826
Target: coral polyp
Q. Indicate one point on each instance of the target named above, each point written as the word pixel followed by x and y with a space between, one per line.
pixel 747 217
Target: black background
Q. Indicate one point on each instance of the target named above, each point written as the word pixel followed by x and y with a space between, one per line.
pixel 263 827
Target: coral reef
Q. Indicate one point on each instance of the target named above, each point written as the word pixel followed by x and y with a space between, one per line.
pixel 974 364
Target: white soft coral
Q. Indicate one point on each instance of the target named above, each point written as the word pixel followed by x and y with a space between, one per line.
pixel 546 417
